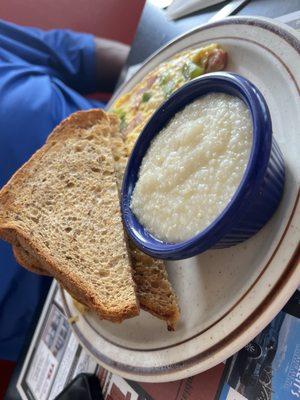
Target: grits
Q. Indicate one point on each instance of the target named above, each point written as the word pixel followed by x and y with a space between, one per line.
pixel 193 167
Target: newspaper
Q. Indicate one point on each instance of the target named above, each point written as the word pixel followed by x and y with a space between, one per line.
pixel 55 357
pixel 267 368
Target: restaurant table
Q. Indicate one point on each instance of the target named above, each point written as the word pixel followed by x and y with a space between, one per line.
pixel 153 31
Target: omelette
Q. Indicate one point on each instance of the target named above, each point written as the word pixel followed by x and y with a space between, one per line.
pixel 135 107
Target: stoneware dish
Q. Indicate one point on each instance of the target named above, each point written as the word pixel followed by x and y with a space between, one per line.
pixel 258 194
pixel 226 296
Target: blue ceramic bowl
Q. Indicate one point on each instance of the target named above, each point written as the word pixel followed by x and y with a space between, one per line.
pixel 258 194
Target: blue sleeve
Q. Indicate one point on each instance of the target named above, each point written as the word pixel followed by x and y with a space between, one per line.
pixel 32 103
pixel 64 54
pixel 21 293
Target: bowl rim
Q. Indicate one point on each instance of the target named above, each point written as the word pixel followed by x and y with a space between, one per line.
pixel 253 176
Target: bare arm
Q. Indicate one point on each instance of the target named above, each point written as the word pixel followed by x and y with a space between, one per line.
pixel 110 58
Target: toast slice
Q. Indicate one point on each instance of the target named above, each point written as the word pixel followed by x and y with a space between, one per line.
pixel 154 290
pixel 62 208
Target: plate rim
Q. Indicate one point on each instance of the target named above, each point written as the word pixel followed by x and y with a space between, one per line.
pixel 212 356
pixel 279 301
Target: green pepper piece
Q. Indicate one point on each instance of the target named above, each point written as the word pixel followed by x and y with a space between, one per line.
pixel 146 97
pixel 122 115
pixel 191 70
pixel 197 71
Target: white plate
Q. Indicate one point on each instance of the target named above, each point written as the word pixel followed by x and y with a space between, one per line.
pixel 226 296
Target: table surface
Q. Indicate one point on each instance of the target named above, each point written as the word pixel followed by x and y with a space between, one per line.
pixel 155 30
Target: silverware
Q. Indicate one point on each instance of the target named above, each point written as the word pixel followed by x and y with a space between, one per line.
pixel 229 9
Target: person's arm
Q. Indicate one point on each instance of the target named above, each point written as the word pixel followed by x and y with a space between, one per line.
pixel 110 58
pixel 81 61
pixel 96 61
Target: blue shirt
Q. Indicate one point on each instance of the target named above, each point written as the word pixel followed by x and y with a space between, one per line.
pixel 43 77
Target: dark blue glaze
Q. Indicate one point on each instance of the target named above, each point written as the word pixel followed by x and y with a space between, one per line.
pixel 258 194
